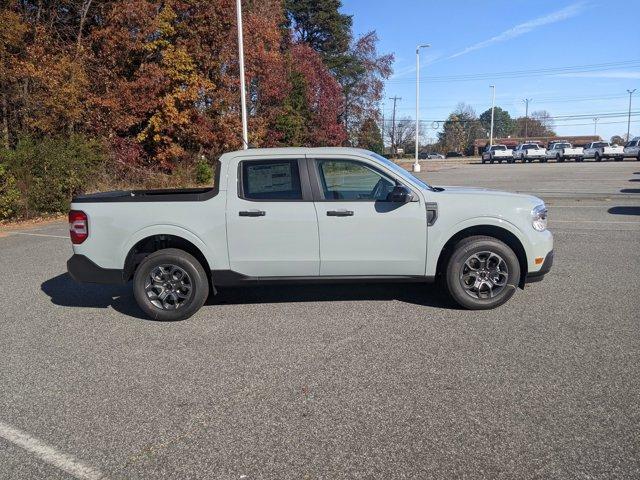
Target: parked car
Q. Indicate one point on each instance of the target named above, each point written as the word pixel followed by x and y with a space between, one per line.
pixel 430 156
pixel 632 148
pixel 561 151
pixel 308 215
pixel 453 154
pixel 497 153
pixel 603 150
pixel 528 152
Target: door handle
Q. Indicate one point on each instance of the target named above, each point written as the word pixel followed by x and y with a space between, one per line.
pixel 252 213
pixel 339 213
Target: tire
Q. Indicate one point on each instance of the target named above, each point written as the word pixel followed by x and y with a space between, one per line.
pixel 491 161
pixel 471 251
pixel 500 161
pixel 618 159
pixel 170 266
pixel 638 158
pixel 483 161
pixel 597 157
pixel 559 159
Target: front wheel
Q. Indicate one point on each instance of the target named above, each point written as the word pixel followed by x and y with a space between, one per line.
pixel 598 158
pixel 482 273
pixel 170 285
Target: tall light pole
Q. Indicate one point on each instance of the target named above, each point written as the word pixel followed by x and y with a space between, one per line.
pixel 630 92
pixel 595 126
pixel 416 164
pixel 493 106
pixel 526 118
pixel 243 95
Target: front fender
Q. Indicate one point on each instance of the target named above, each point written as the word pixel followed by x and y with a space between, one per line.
pixel 162 229
pixel 438 239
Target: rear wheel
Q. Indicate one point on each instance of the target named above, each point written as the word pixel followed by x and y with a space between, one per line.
pixel 559 159
pixel 597 157
pixel 482 273
pixel 170 285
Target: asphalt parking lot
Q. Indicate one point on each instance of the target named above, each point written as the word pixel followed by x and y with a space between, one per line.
pixel 384 381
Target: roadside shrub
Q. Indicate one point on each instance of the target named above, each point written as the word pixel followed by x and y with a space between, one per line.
pixel 49 171
pixel 204 172
pixel 9 195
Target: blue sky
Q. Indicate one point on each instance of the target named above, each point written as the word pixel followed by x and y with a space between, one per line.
pixel 473 37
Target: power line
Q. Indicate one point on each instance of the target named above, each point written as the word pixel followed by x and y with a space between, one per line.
pixel 477 105
pixel 587 68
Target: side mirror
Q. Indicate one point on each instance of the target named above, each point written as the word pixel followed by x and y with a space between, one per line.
pixel 400 194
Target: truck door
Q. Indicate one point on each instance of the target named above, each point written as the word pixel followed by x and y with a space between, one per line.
pixel 362 234
pixel 272 227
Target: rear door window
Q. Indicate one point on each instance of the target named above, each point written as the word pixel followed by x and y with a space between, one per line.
pixel 270 180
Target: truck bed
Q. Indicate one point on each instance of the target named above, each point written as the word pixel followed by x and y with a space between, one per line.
pixel 162 195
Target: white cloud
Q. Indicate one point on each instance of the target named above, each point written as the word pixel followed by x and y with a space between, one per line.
pixel 611 74
pixel 526 27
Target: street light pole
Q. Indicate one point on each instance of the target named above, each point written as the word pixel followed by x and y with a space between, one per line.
pixel 493 106
pixel 243 97
pixel 595 126
pixel 416 164
pixel 630 92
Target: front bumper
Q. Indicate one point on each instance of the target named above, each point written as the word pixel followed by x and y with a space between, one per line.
pixel 82 269
pixel 546 267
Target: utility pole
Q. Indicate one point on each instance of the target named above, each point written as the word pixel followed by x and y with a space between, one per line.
pixel 595 126
pixel 630 92
pixel 493 106
pixel 526 118
pixel 243 95
pixel 416 164
pixel 393 125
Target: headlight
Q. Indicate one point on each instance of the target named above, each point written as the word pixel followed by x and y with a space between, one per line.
pixel 539 217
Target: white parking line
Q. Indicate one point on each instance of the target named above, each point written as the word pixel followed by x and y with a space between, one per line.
pixel 37 234
pixel 48 454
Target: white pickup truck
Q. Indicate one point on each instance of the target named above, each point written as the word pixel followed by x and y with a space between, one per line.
pixel 308 215
pixel 497 153
pixel 528 152
pixel 602 151
pixel 632 149
pixel 561 151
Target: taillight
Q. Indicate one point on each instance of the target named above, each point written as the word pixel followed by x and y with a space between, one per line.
pixel 78 226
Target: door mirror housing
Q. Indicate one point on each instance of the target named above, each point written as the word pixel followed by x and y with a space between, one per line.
pixel 400 194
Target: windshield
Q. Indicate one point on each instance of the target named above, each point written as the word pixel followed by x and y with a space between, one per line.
pixel 400 171
pixel 498 147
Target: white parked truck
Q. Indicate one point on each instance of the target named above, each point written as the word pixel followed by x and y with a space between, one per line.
pixel 496 153
pixel 632 148
pixel 308 215
pixel 602 151
pixel 563 150
pixel 528 152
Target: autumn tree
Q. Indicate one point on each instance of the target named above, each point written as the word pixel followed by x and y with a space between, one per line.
pixel 369 136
